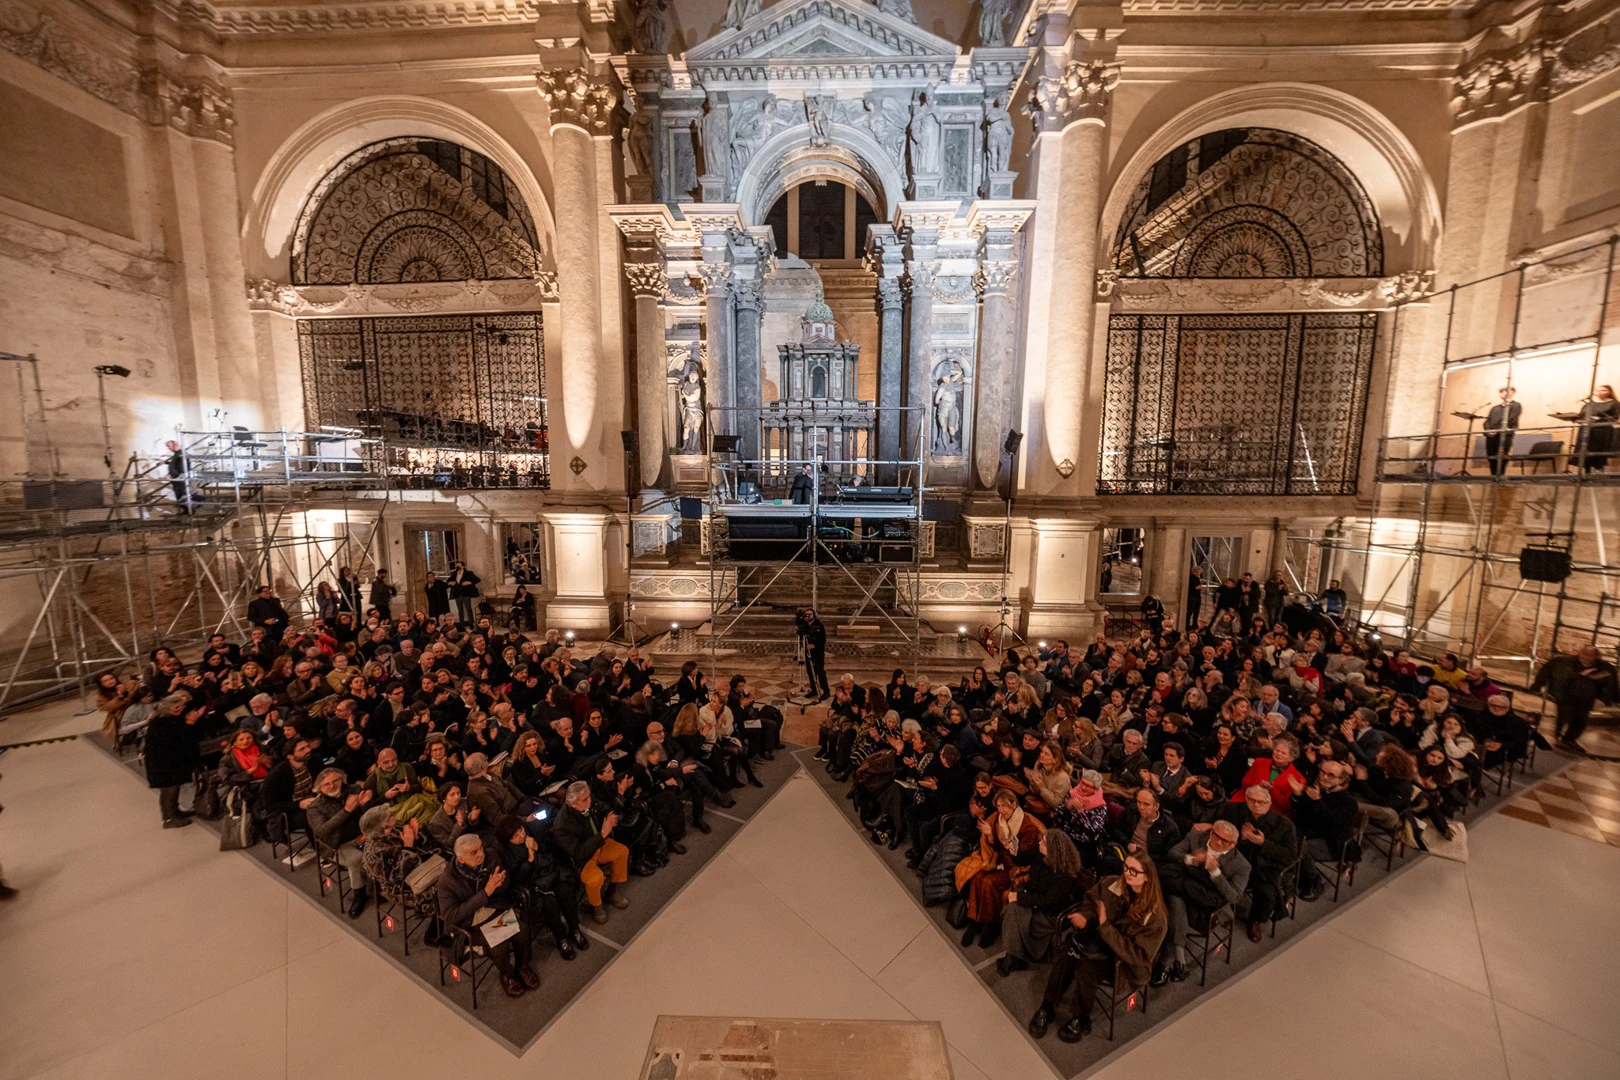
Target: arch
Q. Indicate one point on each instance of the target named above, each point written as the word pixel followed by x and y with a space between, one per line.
pixel 786 159
pixel 321 143
pixel 1249 202
pixel 1376 152
pixel 413 209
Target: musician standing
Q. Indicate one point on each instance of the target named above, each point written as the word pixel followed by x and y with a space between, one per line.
pixel 1500 424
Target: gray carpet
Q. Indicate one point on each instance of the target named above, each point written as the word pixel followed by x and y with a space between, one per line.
pixel 1020 993
pixel 518 1022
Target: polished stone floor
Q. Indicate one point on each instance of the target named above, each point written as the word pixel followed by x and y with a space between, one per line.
pixel 136 952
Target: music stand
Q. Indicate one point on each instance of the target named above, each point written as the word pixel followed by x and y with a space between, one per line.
pixel 1468 439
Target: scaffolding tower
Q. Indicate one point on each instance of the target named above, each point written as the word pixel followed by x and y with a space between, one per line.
pixel 1499 546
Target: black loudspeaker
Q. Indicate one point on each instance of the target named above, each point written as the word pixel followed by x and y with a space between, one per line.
pixel 1543 564
pixel 1015 439
pixel 632 441
pixel 726 444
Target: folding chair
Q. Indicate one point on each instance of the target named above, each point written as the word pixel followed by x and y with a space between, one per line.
pixel 296 842
pixel 1118 993
pixel 1216 937
pixel 1288 891
pixel 397 908
pixel 465 961
pixel 334 876
pixel 1385 840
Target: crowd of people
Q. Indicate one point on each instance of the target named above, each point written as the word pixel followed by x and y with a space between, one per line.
pixel 484 777
pixel 1091 809
pixel 1097 809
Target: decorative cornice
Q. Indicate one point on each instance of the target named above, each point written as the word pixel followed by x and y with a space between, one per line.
pixel 200 108
pixel 242 17
pixel 1082 92
pixel 1174 295
pixel 647 280
pixel 577 99
pixel 446 296
pixel 1497 83
pixel 1282 8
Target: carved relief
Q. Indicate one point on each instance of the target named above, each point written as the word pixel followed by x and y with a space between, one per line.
pixel 578 99
pixel 646 279
pixel 1082 92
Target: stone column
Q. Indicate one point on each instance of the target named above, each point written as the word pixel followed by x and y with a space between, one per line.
pixel 748 297
pixel 581 108
pixel 998 330
pixel 919 359
pixel 717 329
pixel 1069 163
pixel 885 259
pixel 647 284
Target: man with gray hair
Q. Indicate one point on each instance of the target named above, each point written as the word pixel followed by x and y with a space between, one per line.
pixel 470 883
pixel 1270 844
pixel 334 819
pixel 1201 876
pixel 589 845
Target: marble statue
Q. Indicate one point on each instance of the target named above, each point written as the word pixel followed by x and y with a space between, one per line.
pixel 998 136
pixel 638 140
pixel 690 392
pixel 739 12
pixel 924 135
pixel 747 133
pixel 819 109
pixel 948 391
pixel 886 117
pixel 714 138
pixel 993 22
pixel 902 8
pixel 649 32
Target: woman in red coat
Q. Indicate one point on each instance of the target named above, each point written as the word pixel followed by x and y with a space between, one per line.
pixel 1276 772
pixel 1009 841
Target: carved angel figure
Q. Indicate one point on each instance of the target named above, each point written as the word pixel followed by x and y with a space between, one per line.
pixel 948 391
pixel 924 135
pixel 998 135
pixel 902 8
pixel 993 22
pixel 649 32
pixel 690 392
pixel 819 109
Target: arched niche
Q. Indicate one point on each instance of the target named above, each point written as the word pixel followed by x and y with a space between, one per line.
pixel 853 157
pixel 316 148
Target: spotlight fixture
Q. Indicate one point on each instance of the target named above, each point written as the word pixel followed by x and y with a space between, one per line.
pixel 116 370
pixel 1043 645
pixel 674 627
pixel 961 634
pixel 569 635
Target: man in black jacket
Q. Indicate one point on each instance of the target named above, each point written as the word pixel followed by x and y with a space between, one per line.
pixel 469 883
pixel 814 633
pixel 288 788
pixel 1268 841
pixel 265 610
pixel 382 594
pixel 1145 829
pixel 1326 816
pixel 1575 684
pixel 590 846
pixel 171 754
pixel 463 590
pixel 334 818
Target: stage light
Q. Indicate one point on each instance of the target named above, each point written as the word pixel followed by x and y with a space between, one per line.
pixel 1015 439
pixel 116 370
pixel 568 635
pixel 1043 645
pixel 961 634
pixel 674 627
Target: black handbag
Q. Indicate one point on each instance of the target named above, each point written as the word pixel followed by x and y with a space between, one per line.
pixel 956 912
pixel 205 803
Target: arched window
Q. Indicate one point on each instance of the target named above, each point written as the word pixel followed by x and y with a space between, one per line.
pixel 410 210
pixel 1249 203
pixel 821 220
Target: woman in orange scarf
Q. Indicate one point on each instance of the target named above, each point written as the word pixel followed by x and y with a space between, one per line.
pixel 1009 841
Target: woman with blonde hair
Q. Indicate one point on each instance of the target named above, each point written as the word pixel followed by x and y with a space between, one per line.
pixel 1049 780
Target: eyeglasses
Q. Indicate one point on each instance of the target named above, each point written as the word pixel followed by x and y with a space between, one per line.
pixel 1130 872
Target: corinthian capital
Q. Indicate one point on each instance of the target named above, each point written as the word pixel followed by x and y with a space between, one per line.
pixel 646 279
pixel 717 279
pixel 996 278
pixel 1496 85
pixel 748 293
pixel 577 99
pixel 1082 92
pixel 198 107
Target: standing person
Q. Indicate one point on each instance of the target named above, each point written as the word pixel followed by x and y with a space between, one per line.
pixel 1599 433
pixel 814 633
pixel 349 589
pixel 265 610
pixel 463 590
pixel 1276 596
pixel 1500 424
pixel 171 755
pixel 1195 595
pixel 382 594
pixel 438 595
pixel 1575 684
pixel 804 485
pixel 177 474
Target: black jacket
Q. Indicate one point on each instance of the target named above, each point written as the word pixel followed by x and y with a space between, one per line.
pixel 578 835
pixel 1280 845
pixel 1046 890
pixel 171 751
pixel 1162 835
pixel 267 611
pixel 464 583
pixel 438 598
pixel 1332 818
pixel 461 892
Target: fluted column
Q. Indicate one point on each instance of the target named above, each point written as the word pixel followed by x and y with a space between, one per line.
pixel 581 108
pixel 998 332
pixel 748 299
pixel 919 362
pixel 647 284
pixel 717 326
pixel 891 361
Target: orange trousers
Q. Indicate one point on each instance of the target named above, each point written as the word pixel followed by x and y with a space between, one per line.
pixel 611 854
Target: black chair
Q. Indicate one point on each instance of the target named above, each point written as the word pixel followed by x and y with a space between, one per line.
pixel 1288 889
pixel 335 877
pixel 1116 993
pixel 1344 866
pixel 1545 451
pixel 397 907
pixel 465 961
pixel 1216 936
pixel 296 841
pixel 1385 840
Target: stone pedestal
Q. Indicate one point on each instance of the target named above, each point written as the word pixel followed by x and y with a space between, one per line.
pixel 1061 597
pixel 579 570
pixel 1000 185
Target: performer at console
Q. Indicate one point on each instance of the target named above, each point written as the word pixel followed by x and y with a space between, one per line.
pixel 1500 424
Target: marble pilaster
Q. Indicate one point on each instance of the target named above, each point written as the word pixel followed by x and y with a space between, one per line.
pixel 748 298
pixel 997 225
pixel 720 338
pixel 919 283
pixel 885 259
pixel 647 284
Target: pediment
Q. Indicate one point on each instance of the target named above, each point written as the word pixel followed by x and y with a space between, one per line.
pixel 821 30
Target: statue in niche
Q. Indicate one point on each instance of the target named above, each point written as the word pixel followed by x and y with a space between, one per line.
pixel 886 117
pixel 690 395
pixel 739 12
pixel 998 136
pixel 901 8
pixel 993 22
pixel 638 140
pixel 713 134
pixel 649 33
pixel 747 133
pixel 924 134
pixel 948 394
pixel 819 109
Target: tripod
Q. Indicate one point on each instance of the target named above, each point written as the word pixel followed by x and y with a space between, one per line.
pixel 1003 628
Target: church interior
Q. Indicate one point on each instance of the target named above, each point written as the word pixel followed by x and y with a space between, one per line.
pixel 678 346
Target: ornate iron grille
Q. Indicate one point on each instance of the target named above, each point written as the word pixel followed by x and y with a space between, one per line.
pixel 399 375
pixel 1248 203
pixel 1235 404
